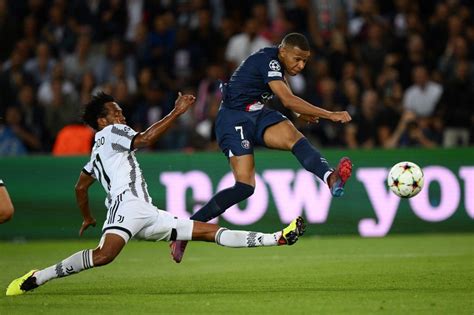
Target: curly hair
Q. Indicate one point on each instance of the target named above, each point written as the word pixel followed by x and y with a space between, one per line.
pixel 96 109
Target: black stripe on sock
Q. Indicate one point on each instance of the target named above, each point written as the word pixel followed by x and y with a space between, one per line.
pixel 84 262
pixel 86 259
pixel 89 259
pixel 174 235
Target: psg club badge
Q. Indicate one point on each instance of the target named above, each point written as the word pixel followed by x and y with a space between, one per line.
pixel 245 144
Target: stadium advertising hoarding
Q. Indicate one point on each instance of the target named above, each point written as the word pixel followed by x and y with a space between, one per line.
pixel 296 193
pixel 43 192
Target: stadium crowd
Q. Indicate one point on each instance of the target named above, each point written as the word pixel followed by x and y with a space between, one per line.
pixel 403 69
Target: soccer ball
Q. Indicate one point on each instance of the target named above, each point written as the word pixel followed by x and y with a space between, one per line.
pixel 405 179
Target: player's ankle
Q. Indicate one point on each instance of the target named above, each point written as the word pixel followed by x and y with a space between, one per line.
pixel 332 179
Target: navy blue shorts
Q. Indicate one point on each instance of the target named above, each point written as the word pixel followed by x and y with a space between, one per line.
pixel 238 131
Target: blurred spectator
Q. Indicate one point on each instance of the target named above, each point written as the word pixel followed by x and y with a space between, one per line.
pixel 242 45
pixel 57 33
pixel 361 132
pixel 30 32
pixel 351 94
pixel 15 139
pixel 152 108
pixel 457 51
pixel 41 66
pixel 12 77
pixel 135 15
pixel 8 30
pixel 162 38
pixel 329 98
pixel 373 50
pixel 86 16
pixel 413 56
pixel 185 60
pixel 123 96
pixel 457 107
pixel 209 42
pixel 113 18
pixel 423 96
pixel 142 46
pixel 338 54
pixel 437 33
pixel 367 12
pixel 299 14
pixel 329 15
pixel 83 60
pixel 118 65
pixel 411 132
pixel 207 103
pixel 33 117
pixel 86 87
pixel 74 139
pixel 45 90
pixel 62 110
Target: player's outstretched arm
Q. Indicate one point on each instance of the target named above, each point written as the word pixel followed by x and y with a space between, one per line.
pixel 82 199
pixel 155 131
pixel 300 106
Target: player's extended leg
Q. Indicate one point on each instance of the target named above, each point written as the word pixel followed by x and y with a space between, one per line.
pixel 285 136
pixel 105 253
pixel 243 168
pixel 232 238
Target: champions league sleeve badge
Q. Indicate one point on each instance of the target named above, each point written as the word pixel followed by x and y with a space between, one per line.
pixel 274 65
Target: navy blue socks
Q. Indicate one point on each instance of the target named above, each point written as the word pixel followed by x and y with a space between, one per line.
pixel 310 158
pixel 223 200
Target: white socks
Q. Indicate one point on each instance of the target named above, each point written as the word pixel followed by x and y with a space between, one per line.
pixel 73 264
pixel 231 238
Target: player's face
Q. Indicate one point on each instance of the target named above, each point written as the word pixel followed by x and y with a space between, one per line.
pixel 294 59
pixel 114 114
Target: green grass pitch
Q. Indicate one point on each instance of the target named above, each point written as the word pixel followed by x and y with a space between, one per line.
pixel 403 274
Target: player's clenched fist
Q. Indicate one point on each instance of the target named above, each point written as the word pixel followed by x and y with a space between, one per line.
pixel 342 117
pixel 183 102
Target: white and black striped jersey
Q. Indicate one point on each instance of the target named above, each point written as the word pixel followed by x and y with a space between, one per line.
pixel 114 165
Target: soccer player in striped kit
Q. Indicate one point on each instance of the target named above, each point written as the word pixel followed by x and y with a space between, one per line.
pixel 130 209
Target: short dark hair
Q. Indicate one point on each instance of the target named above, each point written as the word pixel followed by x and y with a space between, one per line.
pixel 96 109
pixel 296 40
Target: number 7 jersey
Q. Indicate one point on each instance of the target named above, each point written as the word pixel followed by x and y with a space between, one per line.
pixel 114 165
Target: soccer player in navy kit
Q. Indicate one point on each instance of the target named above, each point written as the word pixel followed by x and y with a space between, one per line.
pixel 243 121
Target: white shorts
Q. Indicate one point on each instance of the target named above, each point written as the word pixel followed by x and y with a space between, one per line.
pixel 130 217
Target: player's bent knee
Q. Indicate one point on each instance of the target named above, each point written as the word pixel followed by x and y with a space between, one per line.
pixel 294 139
pixel 244 189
